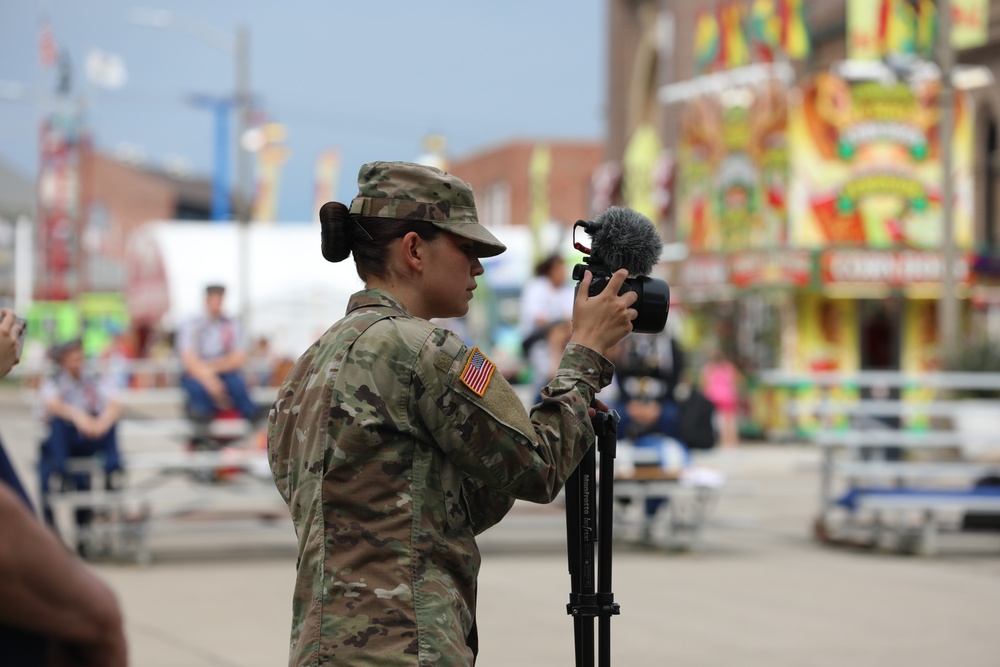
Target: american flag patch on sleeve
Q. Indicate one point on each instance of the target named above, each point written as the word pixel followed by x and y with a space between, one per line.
pixel 478 371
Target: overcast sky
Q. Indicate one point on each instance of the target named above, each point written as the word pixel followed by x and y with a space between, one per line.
pixel 369 77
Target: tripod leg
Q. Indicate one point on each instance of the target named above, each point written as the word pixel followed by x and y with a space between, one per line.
pixel 605 595
pixel 581 533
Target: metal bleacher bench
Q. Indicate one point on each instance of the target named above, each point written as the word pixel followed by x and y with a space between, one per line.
pixel 866 499
pixel 688 500
pixel 167 492
pixel 168 489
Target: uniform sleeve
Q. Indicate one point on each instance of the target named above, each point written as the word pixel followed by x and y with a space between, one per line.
pixel 487 506
pixel 484 429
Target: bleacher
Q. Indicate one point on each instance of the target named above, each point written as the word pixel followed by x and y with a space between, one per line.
pixel 168 487
pixel 897 487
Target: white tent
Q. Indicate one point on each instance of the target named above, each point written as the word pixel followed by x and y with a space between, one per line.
pixel 294 293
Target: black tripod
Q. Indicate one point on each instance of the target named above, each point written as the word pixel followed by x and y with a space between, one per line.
pixel 588 522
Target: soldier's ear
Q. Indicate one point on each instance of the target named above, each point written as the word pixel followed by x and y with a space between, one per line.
pixel 413 249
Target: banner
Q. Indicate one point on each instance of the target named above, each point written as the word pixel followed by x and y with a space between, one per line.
pixel 48 49
pixel 969 23
pixel 327 175
pixel 639 164
pixel 867 165
pixel 271 156
pixel 539 170
pixel 733 42
pixel 737 34
pixel 876 28
pixel 706 41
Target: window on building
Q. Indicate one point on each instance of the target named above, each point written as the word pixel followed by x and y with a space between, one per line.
pixel 495 208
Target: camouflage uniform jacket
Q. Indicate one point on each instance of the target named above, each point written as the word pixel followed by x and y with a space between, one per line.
pixel 391 465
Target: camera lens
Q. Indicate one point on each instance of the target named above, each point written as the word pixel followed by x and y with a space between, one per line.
pixel 652 305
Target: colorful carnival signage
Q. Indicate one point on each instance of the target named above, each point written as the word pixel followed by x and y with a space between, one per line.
pixel 788 268
pixel 890 268
pixel 735 34
pixel 733 170
pixel 876 28
pixel 867 163
pixel 704 272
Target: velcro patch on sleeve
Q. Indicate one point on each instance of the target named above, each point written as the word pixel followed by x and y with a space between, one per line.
pixel 478 371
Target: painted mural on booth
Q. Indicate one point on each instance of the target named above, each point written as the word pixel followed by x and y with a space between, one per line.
pixel 733 170
pixel 868 169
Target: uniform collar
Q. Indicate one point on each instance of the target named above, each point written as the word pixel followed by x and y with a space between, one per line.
pixel 375 298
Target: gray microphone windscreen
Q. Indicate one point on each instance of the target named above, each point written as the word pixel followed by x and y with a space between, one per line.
pixel 627 239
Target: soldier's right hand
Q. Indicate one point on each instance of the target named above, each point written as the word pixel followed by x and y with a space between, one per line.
pixel 599 322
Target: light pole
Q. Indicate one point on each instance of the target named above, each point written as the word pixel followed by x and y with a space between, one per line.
pixel 948 324
pixel 237 46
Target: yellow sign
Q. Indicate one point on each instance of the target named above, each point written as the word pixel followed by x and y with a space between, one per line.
pixel 539 170
pixel 639 170
pixel 327 175
pixel 879 27
pixel 271 155
pixel 969 23
pixel 867 165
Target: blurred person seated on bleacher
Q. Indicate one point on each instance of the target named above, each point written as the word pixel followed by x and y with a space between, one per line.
pixel 119 354
pixel 212 354
pixel 82 409
pixel 53 610
pixel 263 362
pixel 647 370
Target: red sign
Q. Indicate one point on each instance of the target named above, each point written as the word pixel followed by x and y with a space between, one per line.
pixel 58 199
pixel 705 271
pixel 894 268
pixel 789 267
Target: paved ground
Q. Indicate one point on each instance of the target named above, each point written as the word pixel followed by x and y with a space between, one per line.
pixel 759 592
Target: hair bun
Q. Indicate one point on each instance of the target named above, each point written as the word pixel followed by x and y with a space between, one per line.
pixel 334 235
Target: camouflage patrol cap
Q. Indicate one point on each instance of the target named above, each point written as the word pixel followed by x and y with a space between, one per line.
pixel 408 191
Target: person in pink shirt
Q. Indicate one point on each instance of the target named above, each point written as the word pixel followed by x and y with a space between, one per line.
pixel 720 383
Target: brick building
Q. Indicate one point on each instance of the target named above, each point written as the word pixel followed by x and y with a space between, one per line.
pixel 502 180
pixel 117 197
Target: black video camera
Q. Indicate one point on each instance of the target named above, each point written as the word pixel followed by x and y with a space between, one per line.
pixel 653 302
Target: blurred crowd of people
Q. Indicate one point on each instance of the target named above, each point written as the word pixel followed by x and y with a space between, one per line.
pixel 657 391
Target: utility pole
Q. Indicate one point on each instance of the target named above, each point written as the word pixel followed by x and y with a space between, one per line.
pixel 244 187
pixel 237 46
pixel 949 316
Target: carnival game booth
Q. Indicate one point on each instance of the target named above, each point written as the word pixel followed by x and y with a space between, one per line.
pixel 813 218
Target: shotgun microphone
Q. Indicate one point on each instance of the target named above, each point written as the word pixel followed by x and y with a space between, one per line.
pixel 626 239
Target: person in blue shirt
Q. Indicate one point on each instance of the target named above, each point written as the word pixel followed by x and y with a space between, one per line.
pixel 53 610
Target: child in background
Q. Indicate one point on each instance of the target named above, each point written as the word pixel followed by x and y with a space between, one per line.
pixel 719 381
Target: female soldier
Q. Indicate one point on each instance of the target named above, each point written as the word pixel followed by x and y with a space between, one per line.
pixel 394 444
